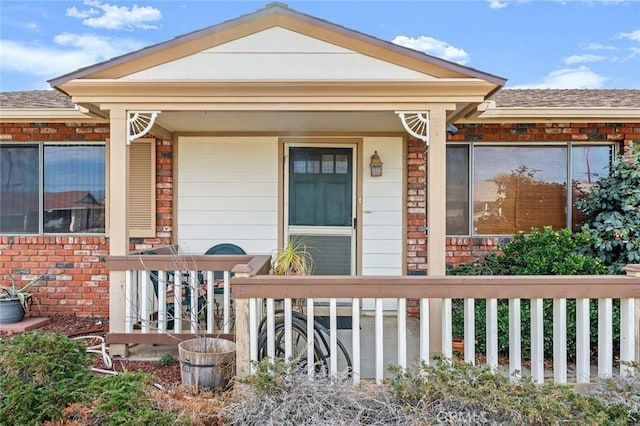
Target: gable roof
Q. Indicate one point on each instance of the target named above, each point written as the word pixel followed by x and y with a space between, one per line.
pixel 274 15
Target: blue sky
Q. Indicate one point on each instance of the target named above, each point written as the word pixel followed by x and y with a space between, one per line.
pixel 534 44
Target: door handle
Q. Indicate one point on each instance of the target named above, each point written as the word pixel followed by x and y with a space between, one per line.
pixel 354 222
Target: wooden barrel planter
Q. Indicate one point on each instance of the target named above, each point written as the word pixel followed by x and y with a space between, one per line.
pixel 207 362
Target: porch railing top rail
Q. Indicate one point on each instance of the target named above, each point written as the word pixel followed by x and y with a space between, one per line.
pixel 448 287
pixel 254 264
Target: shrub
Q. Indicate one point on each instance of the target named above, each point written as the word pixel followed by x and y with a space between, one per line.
pixel 546 252
pixel 41 374
pixel 612 213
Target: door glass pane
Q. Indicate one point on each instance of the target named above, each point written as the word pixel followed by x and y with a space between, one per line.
pixel 19 189
pixel 518 188
pixel 342 164
pixel 458 190
pixel 299 166
pixel 327 163
pixel 313 165
pixel 588 164
pixel 74 188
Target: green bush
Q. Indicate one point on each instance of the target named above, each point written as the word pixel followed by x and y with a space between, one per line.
pixel 546 252
pixel 612 213
pixel 41 374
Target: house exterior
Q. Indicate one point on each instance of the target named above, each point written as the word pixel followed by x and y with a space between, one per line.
pixel 263 128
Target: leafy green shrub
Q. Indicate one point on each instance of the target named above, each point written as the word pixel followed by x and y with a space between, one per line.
pixel 458 393
pixel 612 213
pixel 41 374
pixel 546 252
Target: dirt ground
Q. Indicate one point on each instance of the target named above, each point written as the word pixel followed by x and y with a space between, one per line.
pixel 166 375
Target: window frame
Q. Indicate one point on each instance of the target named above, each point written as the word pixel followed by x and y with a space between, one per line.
pixel 531 144
pixel 41 146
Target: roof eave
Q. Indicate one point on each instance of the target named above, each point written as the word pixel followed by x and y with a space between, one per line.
pixel 51 115
pixel 552 114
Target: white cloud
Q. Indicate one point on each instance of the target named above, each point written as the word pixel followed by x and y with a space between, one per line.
pixel 568 78
pixel 116 17
pixel 578 59
pixel 497 4
pixel 633 35
pixel 73 51
pixel 75 13
pixel 598 46
pixel 433 47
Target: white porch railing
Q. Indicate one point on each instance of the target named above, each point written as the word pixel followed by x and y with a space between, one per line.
pixel 171 297
pixel 253 294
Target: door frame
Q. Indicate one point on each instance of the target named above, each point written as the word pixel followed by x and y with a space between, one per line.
pixel 356 144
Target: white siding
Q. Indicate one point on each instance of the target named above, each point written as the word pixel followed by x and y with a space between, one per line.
pixel 278 54
pixel 228 193
pixel 382 209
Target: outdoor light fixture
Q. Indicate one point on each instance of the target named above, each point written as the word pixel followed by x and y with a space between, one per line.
pixel 376 165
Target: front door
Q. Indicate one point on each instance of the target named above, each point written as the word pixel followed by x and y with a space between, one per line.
pixel 321 206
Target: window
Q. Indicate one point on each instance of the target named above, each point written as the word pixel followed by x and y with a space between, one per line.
pixel 52 188
pixel 511 189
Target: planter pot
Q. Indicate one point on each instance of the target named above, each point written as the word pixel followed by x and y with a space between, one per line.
pixel 458 346
pixel 207 362
pixel 11 311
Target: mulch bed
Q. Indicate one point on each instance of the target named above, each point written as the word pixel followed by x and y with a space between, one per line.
pixel 167 375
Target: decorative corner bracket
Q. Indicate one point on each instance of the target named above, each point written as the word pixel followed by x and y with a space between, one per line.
pixel 139 123
pixel 416 123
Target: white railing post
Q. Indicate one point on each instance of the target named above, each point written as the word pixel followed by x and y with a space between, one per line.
pixel 470 331
pixel 310 339
pixel 130 309
pixel 379 341
pixel 492 333
pixel 605 338
pixel 355 339
pixel 425 354
pixel 447 340
pixel 288 343
pixel 271 329
pixel 402 332
pixel 537 340
pixel 515 340
pixel 162 301
pixel 211 312
pixel 226 302
pixel 333 336
pixel 627 335
pixel 560 340
pixel 177 302
pixel 583 341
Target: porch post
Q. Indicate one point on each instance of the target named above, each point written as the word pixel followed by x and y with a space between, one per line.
pixel 436 217
pixel 118 221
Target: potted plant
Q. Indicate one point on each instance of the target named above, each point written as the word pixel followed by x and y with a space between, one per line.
pixel 294 259
pixel 13 301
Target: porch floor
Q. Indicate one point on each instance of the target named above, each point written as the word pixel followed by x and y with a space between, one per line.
pixel 367 343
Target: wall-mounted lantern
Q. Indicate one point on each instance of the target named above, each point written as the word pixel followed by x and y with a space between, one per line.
pixel 376 165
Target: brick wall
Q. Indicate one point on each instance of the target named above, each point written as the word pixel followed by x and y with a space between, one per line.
pixel 76 279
